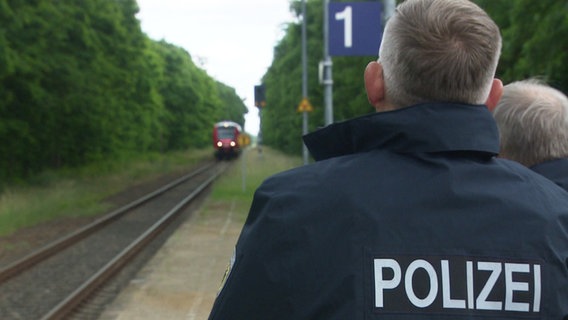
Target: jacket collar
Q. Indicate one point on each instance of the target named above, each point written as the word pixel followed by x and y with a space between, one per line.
pixel 429 127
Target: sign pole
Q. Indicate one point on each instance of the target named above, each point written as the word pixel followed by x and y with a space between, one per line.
pixel 304 81
pixel 244 169
pixel 327 68
pixel 390 6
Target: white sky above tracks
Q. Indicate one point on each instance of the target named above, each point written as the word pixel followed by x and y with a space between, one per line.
pixel 233 40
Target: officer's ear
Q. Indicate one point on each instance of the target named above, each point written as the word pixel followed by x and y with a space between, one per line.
pixel 375 84
pixel 494 94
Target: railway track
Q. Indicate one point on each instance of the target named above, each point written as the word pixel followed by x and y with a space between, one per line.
pixel 52 282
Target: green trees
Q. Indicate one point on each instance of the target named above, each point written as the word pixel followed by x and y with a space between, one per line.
pixel 80 82
pixel 534 45
pixel 281 124
pixel 534 39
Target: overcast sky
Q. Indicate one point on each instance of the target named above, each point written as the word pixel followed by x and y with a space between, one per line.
pixel 233 40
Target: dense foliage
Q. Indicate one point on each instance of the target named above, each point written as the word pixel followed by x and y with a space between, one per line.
pixel 80 82
pixel 534 45
pixel 534 39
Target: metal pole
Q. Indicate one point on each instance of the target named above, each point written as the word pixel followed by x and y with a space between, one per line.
pixel 327 68
pixel 244 169
pixel 304 81
pixel 390 6
pixel 259 136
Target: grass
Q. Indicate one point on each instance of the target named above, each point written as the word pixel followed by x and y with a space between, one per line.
pixel 79 192
pixel 237 186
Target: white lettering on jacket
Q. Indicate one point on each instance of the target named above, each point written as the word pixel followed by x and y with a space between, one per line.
pixel 448 283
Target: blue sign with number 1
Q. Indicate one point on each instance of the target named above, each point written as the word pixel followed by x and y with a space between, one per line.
pixel 355 28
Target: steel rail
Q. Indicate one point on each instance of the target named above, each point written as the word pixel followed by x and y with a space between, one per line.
pixel 69 304
pixel 52 248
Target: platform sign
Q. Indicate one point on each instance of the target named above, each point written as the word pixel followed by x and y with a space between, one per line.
pixel 355 28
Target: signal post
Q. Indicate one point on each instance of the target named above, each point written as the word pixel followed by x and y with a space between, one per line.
pixel 260 103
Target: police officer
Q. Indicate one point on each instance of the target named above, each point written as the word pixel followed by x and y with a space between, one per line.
pixel 407 213
pixel 533 122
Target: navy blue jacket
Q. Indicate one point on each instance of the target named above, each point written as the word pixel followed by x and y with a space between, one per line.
pixel 555 170
pixel 406 215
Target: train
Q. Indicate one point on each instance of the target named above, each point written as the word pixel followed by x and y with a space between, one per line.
pixel 226 140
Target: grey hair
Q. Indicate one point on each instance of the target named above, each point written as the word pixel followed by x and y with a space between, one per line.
pixel 533 122
pixel 439 50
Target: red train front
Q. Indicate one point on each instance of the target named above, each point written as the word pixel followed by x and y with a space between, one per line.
pixel 226 139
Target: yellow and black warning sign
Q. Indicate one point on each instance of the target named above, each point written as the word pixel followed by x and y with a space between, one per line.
pixel 243 139
pixel 305 106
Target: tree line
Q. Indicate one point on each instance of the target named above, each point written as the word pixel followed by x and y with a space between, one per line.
pixel 80 82
pixel 534 45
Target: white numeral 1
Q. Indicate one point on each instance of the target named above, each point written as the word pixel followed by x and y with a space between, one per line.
pixel 346 15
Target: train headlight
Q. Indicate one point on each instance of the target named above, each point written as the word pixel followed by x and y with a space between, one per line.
pixel 219 144
pixel 233 143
